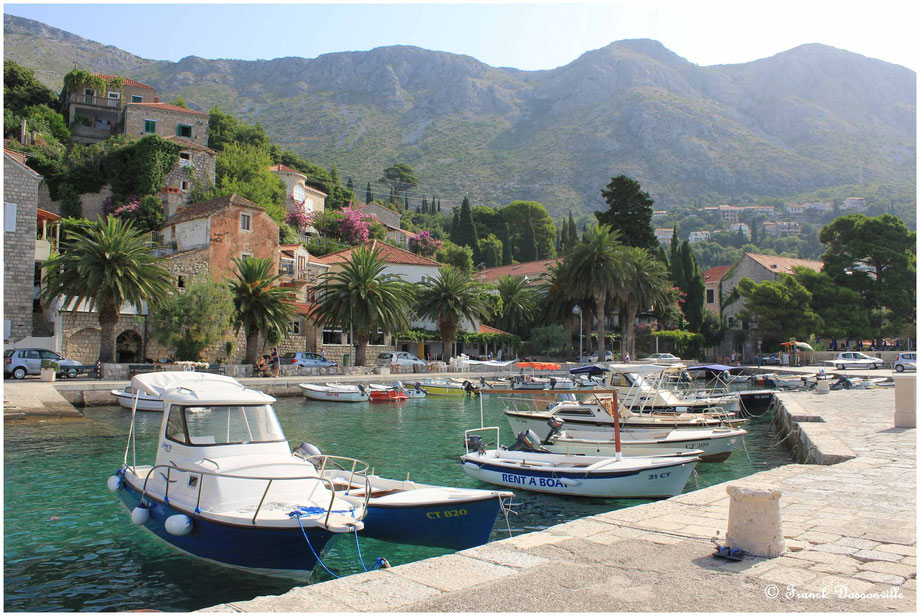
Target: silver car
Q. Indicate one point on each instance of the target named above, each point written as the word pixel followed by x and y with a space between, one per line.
pixel 906 361
pixel 17 363
pixel 399 358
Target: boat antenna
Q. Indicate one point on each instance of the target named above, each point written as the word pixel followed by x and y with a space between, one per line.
pixel 481 423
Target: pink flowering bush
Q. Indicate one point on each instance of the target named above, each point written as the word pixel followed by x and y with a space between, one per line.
pixel 354 227
pixel 423 244
pixel 299 218
pixel 128 209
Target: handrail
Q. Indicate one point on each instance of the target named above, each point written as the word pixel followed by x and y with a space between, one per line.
pixel 202 474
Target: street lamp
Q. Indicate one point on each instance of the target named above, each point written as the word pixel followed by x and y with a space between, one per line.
pixel 576 309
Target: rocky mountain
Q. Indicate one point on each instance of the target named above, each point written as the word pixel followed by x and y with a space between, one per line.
pixel 808 118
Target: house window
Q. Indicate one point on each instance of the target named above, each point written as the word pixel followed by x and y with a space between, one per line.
pixel 180 282
pixel 150 126
pixel 245 222
pixel 294 328
pixel 137 99
pixel 114 98
pixel 710 296
pixel 89 92
pixel 731 321
pixel 185 159
pixel 184 130
pixel 9 217
pixel 334 336
pixel 186 185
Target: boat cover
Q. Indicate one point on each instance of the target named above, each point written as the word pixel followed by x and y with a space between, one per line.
pixel 592 370
pixel 710 367
pixel 155 383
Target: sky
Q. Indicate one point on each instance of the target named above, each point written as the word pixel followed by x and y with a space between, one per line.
pixel 524 35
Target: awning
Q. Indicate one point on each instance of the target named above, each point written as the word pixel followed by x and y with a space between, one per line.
pixel 538 365
pixel 592 370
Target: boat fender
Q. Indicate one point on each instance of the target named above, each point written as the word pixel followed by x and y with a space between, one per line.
pixel 140 515
pixel 179 525
pixel 307 450
pixel 470 465
pixel 568 482
pixel 113 483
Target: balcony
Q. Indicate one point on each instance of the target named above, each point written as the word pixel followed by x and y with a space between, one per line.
pixel 95 101
pixel 292 275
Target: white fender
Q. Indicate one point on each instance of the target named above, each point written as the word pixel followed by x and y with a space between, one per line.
pixel 568 482
pixel 178 524
pixel 113 483
pixel 140 515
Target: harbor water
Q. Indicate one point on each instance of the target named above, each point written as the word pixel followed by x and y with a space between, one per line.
pixel 69 544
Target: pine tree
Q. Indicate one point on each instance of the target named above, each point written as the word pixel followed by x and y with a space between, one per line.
pixel 368 197
pixel 350 185
pixel 466 235
pixel 573 231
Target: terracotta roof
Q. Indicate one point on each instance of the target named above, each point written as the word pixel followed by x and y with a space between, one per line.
pixel 203 209
pixel 390 254
pixel 531 269
pixel 127 82
pixel 303 307
pixel 784 265
pixel 485 329
pixel 180 253
pixel 189 144
pixel 286 169
pixel 20 158
pixel 715 274
pixel 167 107
pixel 46 215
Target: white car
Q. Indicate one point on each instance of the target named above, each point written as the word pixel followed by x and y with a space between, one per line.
pixel 608 356
pixel 855 359
pixel 661 358
pixel 399 358
pixel 906 361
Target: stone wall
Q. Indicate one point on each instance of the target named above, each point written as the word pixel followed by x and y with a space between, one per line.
pixel 80 333
pixel 189 264
pixel 20 187
pixel 199 172
pixel 167 120
pixel 228 241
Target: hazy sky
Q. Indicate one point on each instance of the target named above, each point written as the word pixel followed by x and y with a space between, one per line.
pixel 521 35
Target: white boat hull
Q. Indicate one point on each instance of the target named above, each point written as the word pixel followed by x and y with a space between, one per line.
pixel 715 446
pixel 648 478
pixel 329 394
pixel 144 402
pixel 602 428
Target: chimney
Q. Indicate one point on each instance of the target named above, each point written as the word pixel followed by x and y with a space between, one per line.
pixel 23 133
pixel 156 99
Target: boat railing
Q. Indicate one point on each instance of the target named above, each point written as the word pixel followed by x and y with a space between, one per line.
pixel 352 466
pixel 524 404
pixel 467 433
pixel 270 481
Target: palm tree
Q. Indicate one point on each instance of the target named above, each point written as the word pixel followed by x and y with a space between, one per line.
pixel 107 265
pixel 519 303
pixel 362 296
pixel 646 284
pixel 596 269
pixel 262 307
pixel 556 300
pixel 449 299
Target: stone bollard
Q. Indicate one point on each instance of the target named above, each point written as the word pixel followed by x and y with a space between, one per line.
pixel 905 400
pixel 754 523
pixel 824 387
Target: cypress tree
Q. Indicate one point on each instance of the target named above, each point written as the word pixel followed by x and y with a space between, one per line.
pixel 350 185
pixel 563 241
pixel 677 267
pixel 466 235
pixel 527 251
pixel 406 200
pixel 695 289
pixel 663 257
pixel 439 206
pixel 573 231
pixel 424 205
pixel 506 244
pixel 368 197
pixel 455 226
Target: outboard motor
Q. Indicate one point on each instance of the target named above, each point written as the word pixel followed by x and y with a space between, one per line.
pixel 361 388
pixel 307 450
pixel 468 387
pixel 555 427
pixel 552 383
pixel 482 382
pixel 528 441
pixel 474 443
pixel 418 386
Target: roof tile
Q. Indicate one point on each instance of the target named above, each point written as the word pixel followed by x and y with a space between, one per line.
pixel 127 82
pixel 531 269
pixel 203 209
pixel 390 254
pixel 784 265
pixel 167 107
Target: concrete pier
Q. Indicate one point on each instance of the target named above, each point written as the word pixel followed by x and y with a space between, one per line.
pixel 848 519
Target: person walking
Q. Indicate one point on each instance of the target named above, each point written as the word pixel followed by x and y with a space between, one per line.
pixel 276 362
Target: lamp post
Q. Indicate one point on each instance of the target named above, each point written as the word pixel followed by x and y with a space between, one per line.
pixel 576 309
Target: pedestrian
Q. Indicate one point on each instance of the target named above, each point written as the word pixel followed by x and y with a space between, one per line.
pixel 732 359
pixel 626 358
pixel 276 362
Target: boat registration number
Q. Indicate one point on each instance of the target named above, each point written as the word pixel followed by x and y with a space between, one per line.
pixel 448 513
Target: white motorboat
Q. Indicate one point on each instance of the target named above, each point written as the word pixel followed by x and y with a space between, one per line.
pixel 147 397
pixel 225 486
pixel 444 387
pixel 644 388
pixel 576 475
pixel 335 393
pixel 414 391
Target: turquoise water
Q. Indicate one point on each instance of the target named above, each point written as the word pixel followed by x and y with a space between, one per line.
pixel 69 544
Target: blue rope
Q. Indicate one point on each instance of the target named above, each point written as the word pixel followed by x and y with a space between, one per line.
pixel 361 558
pixel 296 514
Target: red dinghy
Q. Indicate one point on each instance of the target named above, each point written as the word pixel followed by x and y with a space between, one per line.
pixel 387 395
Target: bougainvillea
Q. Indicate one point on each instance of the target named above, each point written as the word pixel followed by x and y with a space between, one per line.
pixel 355 227
pixel 423 244
pixel 299 218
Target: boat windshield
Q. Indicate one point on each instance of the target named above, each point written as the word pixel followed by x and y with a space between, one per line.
pixel 223 425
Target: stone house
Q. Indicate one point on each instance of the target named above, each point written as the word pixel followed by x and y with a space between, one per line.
pixel 197 168
pixel 730 213
pixel 20 222
pixel 698 236
pixel 301 273
pixel 391 221
pixel 95 114
pixel 740 226
pixel 758 268
pixel 165 120
pixel 299 193
pixel 664 235
pixel 711 280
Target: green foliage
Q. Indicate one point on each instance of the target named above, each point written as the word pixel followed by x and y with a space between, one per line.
pixel 106 264
pixel 694 289
pixel 71 206
pixel 839 307
pixel 180 102
pixel 460 257
pixel 321 246
pixel 466 230
pixel 519 304
pixel 683 341
pixel 150 215
pixel 424 335
pixel 261 306
pixel 449 299
pixel 490 251
pixel 399 178
pixel 544 229
pixel 630 212
pixel 191 321
pixel 21 90
pixel 224 129
pixel 50 364
pixel 141 168
pixel 527 249
pixel 644 285
pixel 548 339
pixel 782 309
pixel 244 170
pixel 48 123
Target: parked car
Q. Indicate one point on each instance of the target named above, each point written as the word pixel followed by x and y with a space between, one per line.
pixel 855 359
pixel 906 361
pixel 399 358
pixel 608 356
pixel 661 358
pixel 773 359
pixel 306 359
pixel 20 362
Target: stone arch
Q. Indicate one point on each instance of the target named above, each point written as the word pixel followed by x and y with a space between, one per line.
pixel 83 345
pixel 128 346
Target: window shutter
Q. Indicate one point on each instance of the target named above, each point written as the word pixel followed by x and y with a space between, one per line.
pixel 9 217
pixel 178 130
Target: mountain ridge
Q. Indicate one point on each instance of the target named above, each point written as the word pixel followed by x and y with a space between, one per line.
pixel 807 118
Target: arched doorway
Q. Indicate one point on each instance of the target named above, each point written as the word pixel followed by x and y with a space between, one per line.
pixel 128 347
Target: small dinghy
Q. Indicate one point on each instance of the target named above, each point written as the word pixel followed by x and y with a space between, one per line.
pixel 576 475
pixel 415 513
pixel 335 393
pixel 224 485
pixel 388 395
pixel 441 387
pixel 152 387
pixel 414 392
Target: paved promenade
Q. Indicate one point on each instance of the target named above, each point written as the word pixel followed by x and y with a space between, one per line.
pixel 850 532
